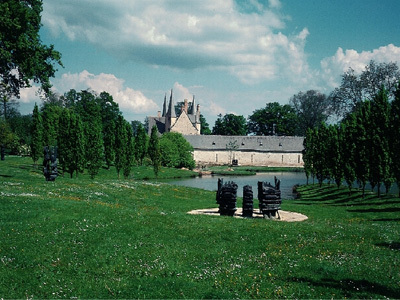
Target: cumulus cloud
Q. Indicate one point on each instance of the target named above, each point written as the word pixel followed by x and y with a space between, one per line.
pixel 193 34
pixel 127 98
pixel 333 67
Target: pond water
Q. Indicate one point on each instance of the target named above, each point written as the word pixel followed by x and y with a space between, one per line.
pixel 288 180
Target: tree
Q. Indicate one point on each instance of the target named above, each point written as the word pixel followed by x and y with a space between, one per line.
pixel 129 151
pixel 37 135
pixel 308 153
pixel 179 153
pixel 154 150
pixel 334 154
pixel 205 127
pixel 140 144
pixel 362 143
pixel 93 147
pixel 312 109
pixel 121 142
pixel 7 137
pixel 230 124
pixel 50 117
pixel 356 88
pixel 348 126
pixel 394 137
pixel 379 148
pixel 274 119
pixel 23 57
pixel 63 140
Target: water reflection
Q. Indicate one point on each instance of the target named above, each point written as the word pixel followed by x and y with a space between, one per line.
pixel 288 180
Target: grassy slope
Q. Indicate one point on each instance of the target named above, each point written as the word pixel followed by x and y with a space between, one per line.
pixel 109 238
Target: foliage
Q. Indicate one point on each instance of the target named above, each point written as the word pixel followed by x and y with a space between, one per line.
pixel 178 152
pixel 230 124
pixel 23 57
pixel 205 127
pixel 129 151
pixel 121 142
pixel 312 109
pixel 140 144
pixel 37 135
pixel 274 119
pixel 97 239
pixel 394 136
pixel 154 150
pixel 356 88
pixel 50 117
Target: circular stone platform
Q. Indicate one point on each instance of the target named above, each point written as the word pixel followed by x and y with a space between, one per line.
pixel 286 216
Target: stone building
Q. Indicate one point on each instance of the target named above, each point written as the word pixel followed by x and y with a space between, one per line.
pixel 283 151
pixel 274 151
pixel 184 119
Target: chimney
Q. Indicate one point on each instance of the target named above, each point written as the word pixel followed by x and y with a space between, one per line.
pixel 159 114
pixel 185 108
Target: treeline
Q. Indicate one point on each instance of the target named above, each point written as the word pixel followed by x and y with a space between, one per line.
pixel 363 147
pixel 90 132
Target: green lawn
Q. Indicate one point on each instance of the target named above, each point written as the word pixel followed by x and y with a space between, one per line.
pixel 110 238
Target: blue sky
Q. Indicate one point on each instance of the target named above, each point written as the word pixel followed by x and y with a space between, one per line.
pixel 234 56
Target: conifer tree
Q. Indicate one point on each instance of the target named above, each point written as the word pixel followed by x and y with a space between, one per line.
pixel 335 164
pixel 94 147
pixel 37 135
pixel 78 144
pixel 154 150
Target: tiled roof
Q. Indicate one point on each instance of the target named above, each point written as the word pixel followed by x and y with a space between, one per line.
pixel 247 143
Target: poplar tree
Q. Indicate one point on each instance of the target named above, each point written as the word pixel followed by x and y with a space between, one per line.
pixel 37 135
pixel 140 144
pixel 94 147
pixel 380 159
pixel 349 127
pixel 64 140
pixel 335 162
pixel 362 144
pixel 154 150
pixel 394 136
pixel 129 150
pixel 308 155
pixel 77 144
pixel 121 141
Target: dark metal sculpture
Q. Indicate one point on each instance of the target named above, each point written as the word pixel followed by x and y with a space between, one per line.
pixel 226 197
pixel 247 201
pixel 50 163
pixel 269 198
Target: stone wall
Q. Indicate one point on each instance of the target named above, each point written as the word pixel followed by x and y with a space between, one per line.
pixel 248 158
pixel 184 126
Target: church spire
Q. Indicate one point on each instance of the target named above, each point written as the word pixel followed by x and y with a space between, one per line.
pixel 164 105
pixel 193 112
pixel 171 108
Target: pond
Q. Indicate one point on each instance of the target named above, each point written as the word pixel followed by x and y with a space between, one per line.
pixel 288 180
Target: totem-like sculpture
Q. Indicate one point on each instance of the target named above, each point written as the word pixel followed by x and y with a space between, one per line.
pixel 226 197
pixel 269 198
pixel 247 201
pixel 50 163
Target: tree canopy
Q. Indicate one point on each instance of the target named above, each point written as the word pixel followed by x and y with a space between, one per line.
pixel 273 119
pixel 230 124
pixel 23 56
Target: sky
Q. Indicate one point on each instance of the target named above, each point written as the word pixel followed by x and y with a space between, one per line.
pixel 234 56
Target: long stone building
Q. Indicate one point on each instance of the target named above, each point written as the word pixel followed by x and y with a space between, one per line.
pixel 283 151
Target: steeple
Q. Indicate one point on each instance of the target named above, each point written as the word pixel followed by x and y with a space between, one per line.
pixel 165 105
pixel 193 112
pixel 171 108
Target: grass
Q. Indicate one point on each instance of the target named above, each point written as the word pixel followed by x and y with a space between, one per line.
pixel 109 238
pixel 249 170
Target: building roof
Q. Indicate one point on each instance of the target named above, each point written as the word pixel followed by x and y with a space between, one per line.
pixel 246 143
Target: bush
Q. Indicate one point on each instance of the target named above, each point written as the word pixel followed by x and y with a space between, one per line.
pixel 176 151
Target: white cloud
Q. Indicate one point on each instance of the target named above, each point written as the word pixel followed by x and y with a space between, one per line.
pixel 187 35
pixel 129 100
pixel 29 95
pixel 333 67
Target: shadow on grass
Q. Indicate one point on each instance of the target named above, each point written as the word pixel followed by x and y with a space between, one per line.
pixel 375 210
pixel 352 288
pixel 6 176
pixel 387 220
pixel 392 246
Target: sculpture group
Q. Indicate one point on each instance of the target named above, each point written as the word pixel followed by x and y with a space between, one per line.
pixel 269 199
